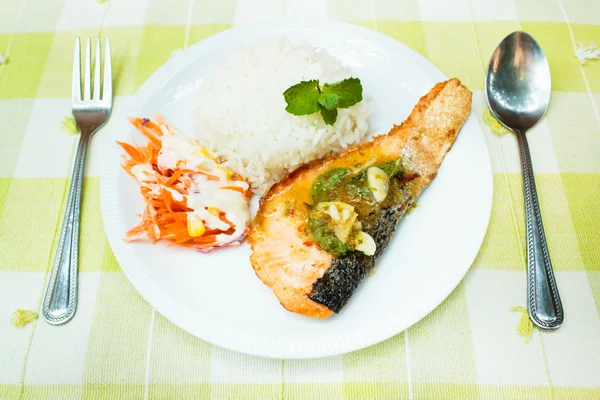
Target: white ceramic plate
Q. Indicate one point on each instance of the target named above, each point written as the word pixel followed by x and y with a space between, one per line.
pixel 218 298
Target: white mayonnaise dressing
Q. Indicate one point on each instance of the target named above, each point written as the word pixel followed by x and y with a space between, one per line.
pixel 145 176
pixel 143 172
pixel 206 191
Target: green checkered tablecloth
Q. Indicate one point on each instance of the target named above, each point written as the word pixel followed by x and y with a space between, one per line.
pixel 118 347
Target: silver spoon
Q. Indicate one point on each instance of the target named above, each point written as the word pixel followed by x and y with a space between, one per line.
pixel 517 88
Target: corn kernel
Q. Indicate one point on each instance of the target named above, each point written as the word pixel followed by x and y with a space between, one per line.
pixel 207 153
pixel 228 173
pixel 195 226
pixel 202 151
pixel 213 210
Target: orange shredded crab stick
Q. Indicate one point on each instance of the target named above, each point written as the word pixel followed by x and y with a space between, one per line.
pixel 166 215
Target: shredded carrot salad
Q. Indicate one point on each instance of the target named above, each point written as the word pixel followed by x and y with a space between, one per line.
pixel 191 200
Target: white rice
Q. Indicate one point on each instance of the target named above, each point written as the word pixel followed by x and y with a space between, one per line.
pixel 241 113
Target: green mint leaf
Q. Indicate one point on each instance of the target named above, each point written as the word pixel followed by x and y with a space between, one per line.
pixel 329 116
pixel 349 91
pixel 307 97
pixel 329 100
pixel 302 98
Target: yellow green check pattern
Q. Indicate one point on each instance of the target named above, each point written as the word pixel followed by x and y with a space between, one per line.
pixel 467 348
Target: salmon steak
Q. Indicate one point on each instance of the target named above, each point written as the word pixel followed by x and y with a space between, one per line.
pixel 320 230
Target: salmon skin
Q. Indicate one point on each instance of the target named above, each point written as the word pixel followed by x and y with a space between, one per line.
pixel 307 279
pixel 341 279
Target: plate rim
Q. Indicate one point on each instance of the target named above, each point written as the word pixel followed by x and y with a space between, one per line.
pixel 158 299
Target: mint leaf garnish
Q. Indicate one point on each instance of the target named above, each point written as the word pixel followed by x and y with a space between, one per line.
pixel 302 98
pixel 308 97
pixel 329 116
pixel 349 91
pixel 329 100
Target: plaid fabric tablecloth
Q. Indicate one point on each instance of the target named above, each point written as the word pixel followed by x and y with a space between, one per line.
pixel 118 347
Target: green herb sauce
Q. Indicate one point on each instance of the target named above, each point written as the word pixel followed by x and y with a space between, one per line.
pixel 392 168
pixel 324 236
pixel 357 188
pixel 339 184
pixel 327 186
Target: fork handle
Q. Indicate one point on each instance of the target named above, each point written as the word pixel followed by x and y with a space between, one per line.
pixel 544 305
pixel 60 299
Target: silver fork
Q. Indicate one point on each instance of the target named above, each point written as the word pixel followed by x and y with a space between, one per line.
pixel 90 112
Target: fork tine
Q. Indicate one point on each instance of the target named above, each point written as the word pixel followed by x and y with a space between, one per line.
pixel 97 71
pixel 76 89
pixel 87 76
pixel 107 89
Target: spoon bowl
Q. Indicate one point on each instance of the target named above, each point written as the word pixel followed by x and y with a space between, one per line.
pixel 518 83
pixel 517 89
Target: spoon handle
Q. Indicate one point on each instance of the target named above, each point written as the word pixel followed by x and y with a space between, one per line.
pixel 545 307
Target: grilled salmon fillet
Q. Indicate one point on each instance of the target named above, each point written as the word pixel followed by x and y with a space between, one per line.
pixel 305 278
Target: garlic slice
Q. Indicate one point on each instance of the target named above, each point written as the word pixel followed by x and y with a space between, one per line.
pixel 379 183
pixel 364 243
pixel 342 215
